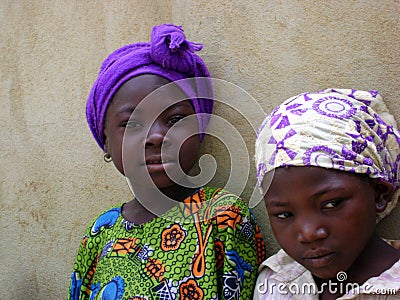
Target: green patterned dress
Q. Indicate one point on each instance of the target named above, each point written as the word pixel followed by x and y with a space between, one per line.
pixel 208 247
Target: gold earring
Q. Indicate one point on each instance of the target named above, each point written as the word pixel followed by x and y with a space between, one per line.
pixel 107 157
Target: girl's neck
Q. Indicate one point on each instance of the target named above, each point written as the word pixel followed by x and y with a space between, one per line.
pixel 149 204
pixel 179 193
pixel 376 258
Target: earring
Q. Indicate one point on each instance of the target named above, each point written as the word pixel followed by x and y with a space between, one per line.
pixel 107 157
pixel 380 206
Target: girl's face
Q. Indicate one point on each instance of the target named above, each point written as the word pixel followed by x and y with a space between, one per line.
pixel 136 132
pixel 323 219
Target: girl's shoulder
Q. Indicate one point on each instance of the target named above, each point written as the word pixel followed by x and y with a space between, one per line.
pixel 222 202
pixel 104 220
pixel 216 194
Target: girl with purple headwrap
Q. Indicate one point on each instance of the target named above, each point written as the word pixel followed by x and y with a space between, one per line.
pixel 148 111
pixel 327 164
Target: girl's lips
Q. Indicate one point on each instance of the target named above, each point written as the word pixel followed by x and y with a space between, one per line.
pixel 158 165
pixel 318 258
pixel 155 160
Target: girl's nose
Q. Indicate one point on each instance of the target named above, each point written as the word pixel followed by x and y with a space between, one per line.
pixel 156 136
pixel 310 231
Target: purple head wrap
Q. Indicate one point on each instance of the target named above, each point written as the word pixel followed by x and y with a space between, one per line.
pixel 169 55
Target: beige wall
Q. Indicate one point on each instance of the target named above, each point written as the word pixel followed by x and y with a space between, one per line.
pixel 53 179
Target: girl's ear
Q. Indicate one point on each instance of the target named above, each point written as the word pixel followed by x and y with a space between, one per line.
pixel 383 193
pixel 105 146
pixel 105 141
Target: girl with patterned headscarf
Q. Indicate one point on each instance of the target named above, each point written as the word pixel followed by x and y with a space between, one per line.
pixel 328 167
pixel 148 111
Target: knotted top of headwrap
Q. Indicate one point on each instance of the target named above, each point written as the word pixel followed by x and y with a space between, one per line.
pixel 339 129
pixel 168 54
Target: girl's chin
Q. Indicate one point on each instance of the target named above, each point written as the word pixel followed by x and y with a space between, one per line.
pixel 327 274
pixel 158 179
pixel 150 183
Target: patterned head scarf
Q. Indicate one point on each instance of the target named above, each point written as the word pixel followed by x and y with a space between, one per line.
pixel 341 129
pixel 168 54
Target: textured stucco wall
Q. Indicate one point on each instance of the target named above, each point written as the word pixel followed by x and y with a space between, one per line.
pixel 53 179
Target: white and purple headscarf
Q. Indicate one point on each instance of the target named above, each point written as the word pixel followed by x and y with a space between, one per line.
pixel 341 129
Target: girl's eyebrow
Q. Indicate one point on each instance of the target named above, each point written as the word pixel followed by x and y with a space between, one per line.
pixel 137 111
pixel 180 103
pixel 328 190
pixel 183 104
pixel 277 203
pixel 130 110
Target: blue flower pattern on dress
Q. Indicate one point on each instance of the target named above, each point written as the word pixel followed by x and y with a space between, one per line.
pixel 106 220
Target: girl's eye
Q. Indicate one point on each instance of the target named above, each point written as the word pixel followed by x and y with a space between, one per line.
pixel 332 204
pixel 175 119
pixel 283 215
pixel 132 124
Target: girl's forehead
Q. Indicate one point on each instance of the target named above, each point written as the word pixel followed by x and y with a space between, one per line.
pixel 151 108
pixel 148 92
pixel 149 85
pixel 312 171
pixel 307 185
pixel 309 176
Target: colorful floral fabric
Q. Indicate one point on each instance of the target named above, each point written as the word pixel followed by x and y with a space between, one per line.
pixel 208 247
